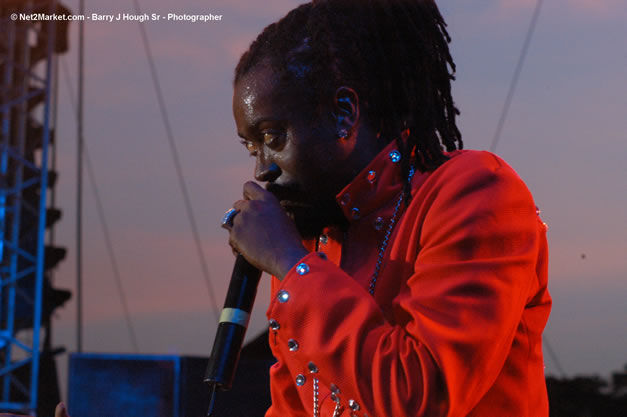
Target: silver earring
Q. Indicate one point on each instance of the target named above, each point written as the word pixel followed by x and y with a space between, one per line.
pixel 342 133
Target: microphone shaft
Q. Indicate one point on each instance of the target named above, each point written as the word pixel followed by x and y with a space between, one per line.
pixel 233 324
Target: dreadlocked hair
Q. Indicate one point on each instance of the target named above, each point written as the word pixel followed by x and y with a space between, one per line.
pixel 393 53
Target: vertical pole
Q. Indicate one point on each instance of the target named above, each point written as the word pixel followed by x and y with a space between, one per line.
pixel 79 185
pixel 42 222
pixel 8 206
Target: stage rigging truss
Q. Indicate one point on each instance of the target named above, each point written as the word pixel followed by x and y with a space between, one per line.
pixel 26 64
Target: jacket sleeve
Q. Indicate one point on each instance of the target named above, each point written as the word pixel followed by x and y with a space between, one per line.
pixel 477 234
pixel 285 400
pixel 283 392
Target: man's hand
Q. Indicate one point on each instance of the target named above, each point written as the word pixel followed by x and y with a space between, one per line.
pixel 264 234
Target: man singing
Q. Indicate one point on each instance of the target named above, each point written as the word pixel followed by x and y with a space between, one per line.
pixel 409 276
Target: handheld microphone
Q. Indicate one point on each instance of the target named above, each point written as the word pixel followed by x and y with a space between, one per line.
pixel 232 327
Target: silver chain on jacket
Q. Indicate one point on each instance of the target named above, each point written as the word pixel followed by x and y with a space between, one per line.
pixel 371 287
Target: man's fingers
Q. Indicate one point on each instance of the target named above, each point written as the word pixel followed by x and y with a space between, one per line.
pixel 253 191
pixel 239 205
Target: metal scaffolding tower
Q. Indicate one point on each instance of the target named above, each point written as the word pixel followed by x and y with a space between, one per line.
pixel 26 58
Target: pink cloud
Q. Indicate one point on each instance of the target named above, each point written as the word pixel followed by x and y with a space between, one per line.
pixel 238 45
pixel 273 8
pixel 596 7
pixel 516 13
pixel 516 4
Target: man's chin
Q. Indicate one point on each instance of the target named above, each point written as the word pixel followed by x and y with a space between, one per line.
pixel 310 220
pixel 290 205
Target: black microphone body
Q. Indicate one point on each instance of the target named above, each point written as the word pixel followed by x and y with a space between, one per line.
pixel 233 324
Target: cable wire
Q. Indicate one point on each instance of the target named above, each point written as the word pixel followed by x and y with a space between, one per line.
pixel 177 163
pixel 517 71
pixel 103 223
pixel 112 258
pixel 501 123
pixel 554 357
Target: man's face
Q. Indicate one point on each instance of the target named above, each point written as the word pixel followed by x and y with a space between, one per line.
pixel 300 160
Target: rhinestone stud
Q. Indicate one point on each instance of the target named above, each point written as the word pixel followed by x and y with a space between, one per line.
pixel 300 380
pixel 372 177
pixel 324 239
pixel 395 156
pixel 312 368
pixel 346 198
pixel 283 296
pixel 378 223
pixel 353 405
pixel 274 325
pixel 355 213
pixel 335 389
pixel 292 345
pixel 302 269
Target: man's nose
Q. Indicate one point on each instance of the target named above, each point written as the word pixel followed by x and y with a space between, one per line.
pixel 266 171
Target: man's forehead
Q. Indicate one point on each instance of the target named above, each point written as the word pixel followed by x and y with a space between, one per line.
pixel 255 85
pixel 259 91
pixel 260 77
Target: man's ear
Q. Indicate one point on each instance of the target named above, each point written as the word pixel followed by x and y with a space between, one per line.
pixel 346 110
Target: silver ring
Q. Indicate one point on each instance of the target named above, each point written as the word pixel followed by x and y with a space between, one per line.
pixel 227 219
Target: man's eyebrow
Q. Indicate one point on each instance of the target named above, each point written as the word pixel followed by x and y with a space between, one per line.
pixel 255 125
pixel 257 122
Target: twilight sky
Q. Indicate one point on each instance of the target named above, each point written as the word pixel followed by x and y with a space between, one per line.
pixel 565 136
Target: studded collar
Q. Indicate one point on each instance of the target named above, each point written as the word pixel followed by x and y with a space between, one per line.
pixel 378 183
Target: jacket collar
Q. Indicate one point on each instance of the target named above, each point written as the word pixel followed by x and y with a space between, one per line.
pixel 374 186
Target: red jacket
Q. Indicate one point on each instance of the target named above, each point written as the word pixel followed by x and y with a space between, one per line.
pixel 455 325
